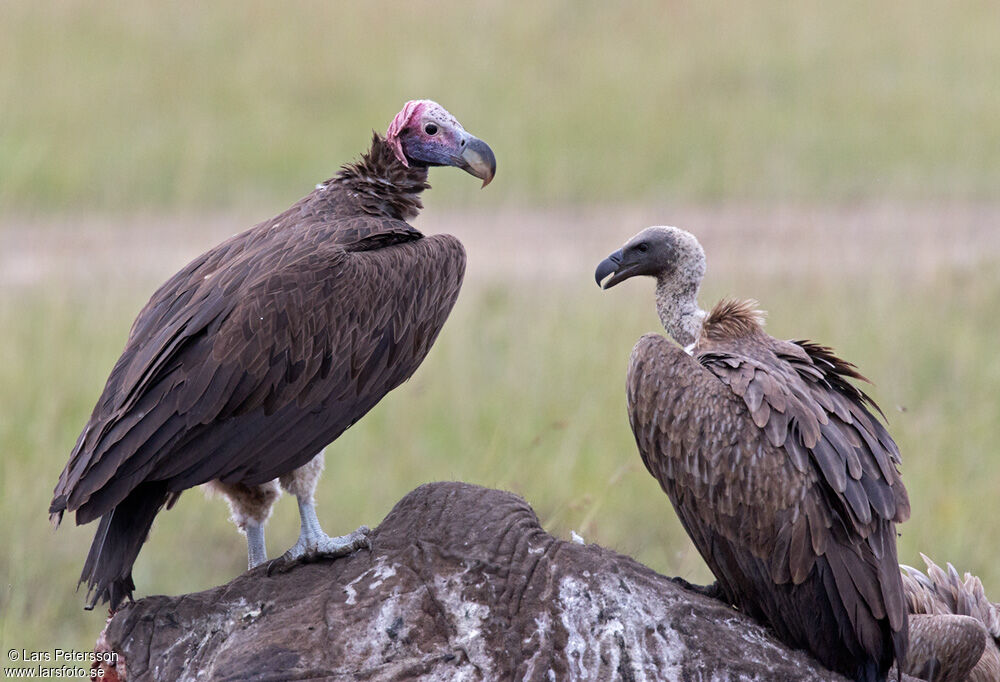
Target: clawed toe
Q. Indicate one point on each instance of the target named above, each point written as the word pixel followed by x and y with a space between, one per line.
pixel 711 591
pixel 326 547
pixel 279 565
pixel 343 545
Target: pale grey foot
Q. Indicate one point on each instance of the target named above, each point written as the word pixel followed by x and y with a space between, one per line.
pixel 314 542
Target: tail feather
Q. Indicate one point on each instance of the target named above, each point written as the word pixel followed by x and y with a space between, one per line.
pixel 120 534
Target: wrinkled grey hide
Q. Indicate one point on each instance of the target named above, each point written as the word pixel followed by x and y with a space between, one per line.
pixel 462 583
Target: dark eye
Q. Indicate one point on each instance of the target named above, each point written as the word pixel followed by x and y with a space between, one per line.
pixel 430 129
pixel 643 247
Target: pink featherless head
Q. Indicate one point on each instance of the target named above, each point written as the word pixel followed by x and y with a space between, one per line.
pixel 398 125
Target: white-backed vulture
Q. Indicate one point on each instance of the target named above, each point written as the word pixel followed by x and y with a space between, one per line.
pixel 261 351
pixel 941 606
pixel 780 473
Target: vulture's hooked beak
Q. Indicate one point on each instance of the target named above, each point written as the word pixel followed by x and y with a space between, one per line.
pixel 477 159
pixel 612 265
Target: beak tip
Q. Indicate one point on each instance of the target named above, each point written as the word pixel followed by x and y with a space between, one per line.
pixel 478 160
pixel 607 270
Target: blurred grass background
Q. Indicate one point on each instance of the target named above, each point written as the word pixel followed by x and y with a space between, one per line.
pixel 164 105
pixel 841 163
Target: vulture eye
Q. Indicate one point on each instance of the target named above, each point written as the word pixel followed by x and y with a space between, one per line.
pixel 430 129
pixel 643 248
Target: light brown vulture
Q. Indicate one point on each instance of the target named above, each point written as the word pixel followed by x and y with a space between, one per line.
pixel 780 473
pixel 263 350
pixel 943 607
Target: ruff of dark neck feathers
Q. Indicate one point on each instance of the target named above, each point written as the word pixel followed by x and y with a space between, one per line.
pixel 382 184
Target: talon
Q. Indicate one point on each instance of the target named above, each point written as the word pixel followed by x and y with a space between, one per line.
pixel 277 566
pixel 712 591
pixel 364 538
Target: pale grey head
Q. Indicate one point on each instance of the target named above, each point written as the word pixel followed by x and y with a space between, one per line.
pixel 675 259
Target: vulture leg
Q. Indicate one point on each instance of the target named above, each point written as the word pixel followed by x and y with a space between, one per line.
pixel 256 547
pixel 250 508
pixel 312 540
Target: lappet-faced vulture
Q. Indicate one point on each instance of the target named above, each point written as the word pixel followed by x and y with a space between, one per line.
pixel 780 473
pixel 260 352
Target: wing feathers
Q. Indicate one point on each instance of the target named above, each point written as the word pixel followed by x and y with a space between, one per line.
pixel 800 558
pixel 765 447
pixel 321 333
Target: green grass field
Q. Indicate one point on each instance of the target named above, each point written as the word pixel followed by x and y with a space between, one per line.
pixel 150 105
pixel 840 162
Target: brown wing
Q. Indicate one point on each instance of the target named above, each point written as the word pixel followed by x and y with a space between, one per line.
pixel 693 435
pixel 258 354
pixel 782 477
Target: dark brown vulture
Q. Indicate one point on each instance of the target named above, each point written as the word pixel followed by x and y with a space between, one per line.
pixel 260 352
pixel 780 473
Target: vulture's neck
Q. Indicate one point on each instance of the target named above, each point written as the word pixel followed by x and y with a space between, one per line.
pixel 382 184
pixel 677 306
